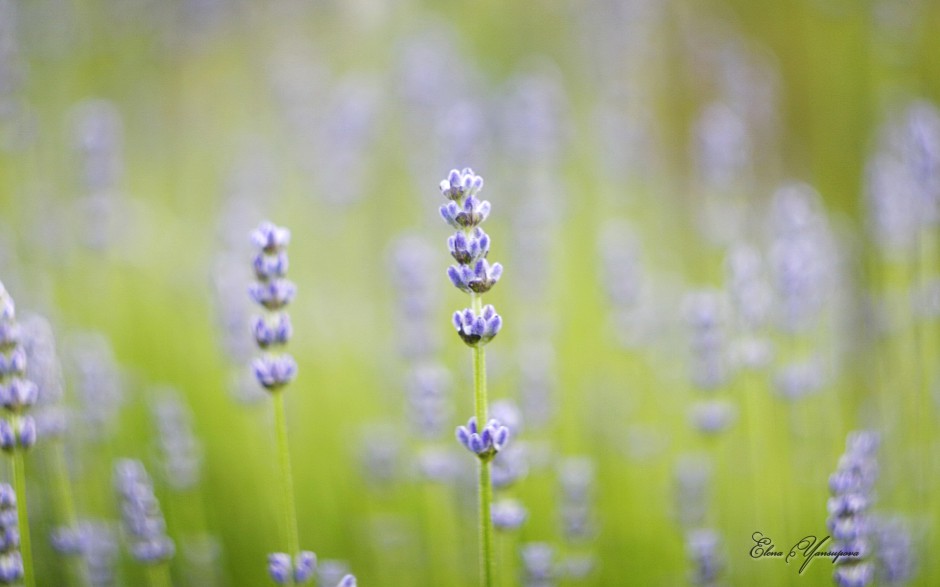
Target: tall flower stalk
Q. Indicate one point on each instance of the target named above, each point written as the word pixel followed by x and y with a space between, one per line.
pixel 17 430
pixel 274 369
pixel 476 326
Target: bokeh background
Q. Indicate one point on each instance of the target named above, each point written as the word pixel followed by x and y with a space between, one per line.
pixel 718 222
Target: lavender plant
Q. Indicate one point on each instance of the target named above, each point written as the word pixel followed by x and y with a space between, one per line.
pixel 17 428
pixel 476 326
pixel 274 369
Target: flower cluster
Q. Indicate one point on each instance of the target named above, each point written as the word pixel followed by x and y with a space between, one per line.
pixel 851 487
pixel 11 562
pixel 17 394
pixel 144 525
pixel 484 443
pixel 272 291
pixel 282 569
pixel 469 246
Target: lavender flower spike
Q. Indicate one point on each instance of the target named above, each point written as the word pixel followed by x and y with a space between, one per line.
pixel 476 329
pixel 484 443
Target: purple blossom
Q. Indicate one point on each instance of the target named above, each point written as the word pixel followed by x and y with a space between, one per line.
pixel 484 443
pixel 274 371
pixel 273 330
pixel 270 238
pixel 461 184
pixel 468 248
pixel 476 329
pixel 274 294
pixel 479 278
pixel 468 214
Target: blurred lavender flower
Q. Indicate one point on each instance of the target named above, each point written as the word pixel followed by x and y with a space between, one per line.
pixel 98 383
pixel 894 551
pixel 180 450
pixel 576 475
pixel 713 416
pixel 284 571
pixel 537 382
pixel 411 261
pixel 97 141
pixel 692 478
pixel 44 370
pixel 704 551
pixel 144 526
pixel 538 564
pixel 705 314
pixel 11 562
pixel 508 514
pixel 429 402
pixel 848 522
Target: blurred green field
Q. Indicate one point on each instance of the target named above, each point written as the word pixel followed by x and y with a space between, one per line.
pixel 226 110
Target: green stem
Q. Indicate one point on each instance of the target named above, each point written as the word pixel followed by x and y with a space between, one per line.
pixel 486 484
pixel 159 575
pixel 19 484
pixel 287 480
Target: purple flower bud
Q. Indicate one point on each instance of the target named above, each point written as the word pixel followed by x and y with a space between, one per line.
pixel 269 266
pixel 347 581
pixel 474 329
pixel 468 249
pixel 304 566
pixel 270 238
pixel 271 331
pixel 484 443
pixel 7 436
pixel 13 364
pixel 9 335
pixel 274 294
pixel 26 432
pixel 274 371
pixel 461 184
pixel 18 394
pixel 279 567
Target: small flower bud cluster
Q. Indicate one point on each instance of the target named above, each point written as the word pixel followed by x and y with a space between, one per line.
pixel 469 246
pixel 11 561
pixel 300 570
pixel 181 451
pixel 704 551
pixel 144 526
pixel 484 443
pixel 17 394
pixel 273 292
pixel 849 524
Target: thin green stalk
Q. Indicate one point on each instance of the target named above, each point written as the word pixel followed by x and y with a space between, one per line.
pixel 159 575
pixel 19 484
pixel 287 480
pixel 486 485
